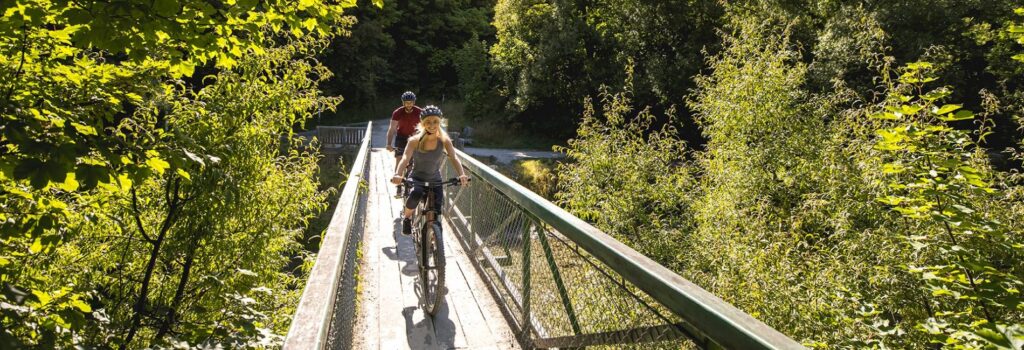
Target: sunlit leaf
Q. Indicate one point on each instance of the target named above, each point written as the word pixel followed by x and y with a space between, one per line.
pixel 183 174
pixel 959 115
pixel 69 184
pixel 81 306
pixel 157 164
pixel 945 109
pixel 43 297
pixel 84 129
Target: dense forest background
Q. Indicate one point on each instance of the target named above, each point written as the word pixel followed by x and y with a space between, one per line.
pixel 845 171
pixel 530 64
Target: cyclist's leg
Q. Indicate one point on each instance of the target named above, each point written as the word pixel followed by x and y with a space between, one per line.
pixel 398 156
pixel 415 196
pixel 400 143
pixel 399 189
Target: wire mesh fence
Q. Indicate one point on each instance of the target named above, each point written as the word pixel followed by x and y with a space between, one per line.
pixel 340 335
pixel 556 294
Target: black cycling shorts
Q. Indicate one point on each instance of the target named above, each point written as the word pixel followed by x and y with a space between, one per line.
pixel 400 143
pixel 419 194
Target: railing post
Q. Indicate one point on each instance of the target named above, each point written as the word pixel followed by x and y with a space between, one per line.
pixel 527 317
pixel 562 292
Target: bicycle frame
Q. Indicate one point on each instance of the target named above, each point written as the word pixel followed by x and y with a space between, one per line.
pixel 428 210
pixel 429 248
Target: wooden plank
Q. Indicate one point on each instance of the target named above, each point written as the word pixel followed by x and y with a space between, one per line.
pixel 480 317
pixel 337 136
pixel 449 326
pixel 390 314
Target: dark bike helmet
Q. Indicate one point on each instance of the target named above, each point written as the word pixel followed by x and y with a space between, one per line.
pixel 408 96
pixel 430 110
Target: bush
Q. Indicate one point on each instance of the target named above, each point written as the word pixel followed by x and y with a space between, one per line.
pixel 629 180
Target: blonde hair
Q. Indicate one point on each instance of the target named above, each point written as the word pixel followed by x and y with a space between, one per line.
pixel 421 130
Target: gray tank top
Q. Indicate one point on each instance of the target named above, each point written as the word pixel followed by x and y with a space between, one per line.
pixel 426 165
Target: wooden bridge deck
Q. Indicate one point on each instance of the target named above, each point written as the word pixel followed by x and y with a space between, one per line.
pixel 389 317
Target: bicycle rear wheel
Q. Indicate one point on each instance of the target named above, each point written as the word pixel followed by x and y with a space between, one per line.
pixel 432 271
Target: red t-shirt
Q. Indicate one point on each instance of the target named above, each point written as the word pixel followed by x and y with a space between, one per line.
pixel 406 120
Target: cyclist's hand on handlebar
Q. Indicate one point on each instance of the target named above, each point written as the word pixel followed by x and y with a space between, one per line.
pixel 397 179
pixel 463 180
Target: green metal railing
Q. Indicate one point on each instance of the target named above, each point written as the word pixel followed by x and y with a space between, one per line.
pixel 563 283
pixel 323 318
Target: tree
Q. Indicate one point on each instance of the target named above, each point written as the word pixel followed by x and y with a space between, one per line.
pixel 939 180
pixel 130 133
pixel 407 45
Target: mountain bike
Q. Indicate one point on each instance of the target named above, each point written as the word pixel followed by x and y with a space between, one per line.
pixel 429 243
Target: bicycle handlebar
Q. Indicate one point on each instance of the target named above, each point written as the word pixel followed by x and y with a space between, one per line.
pixel 450 182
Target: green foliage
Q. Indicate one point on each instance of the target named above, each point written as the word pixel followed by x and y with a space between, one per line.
pixel 936 180
pixel 549 53
pixel 662 40
pixel 629 179
pixel 409 45
pixel 537 52
pixel 772 211
pixel 146 183
pixel 538 175
pixel 1016 32
pixel 837 229
pixel 332 175
pixel 475 81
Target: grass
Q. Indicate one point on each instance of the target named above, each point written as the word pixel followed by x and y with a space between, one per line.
pixel 491 133
pixel 537 175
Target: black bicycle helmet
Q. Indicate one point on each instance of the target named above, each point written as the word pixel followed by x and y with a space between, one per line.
pixel 408 96
pixel 430 110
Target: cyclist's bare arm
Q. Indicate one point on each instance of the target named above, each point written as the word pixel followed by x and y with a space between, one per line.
pixel 400 169
pixel 391 135
pixel 448 147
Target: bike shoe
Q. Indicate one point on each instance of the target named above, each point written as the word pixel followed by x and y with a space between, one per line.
pixel 406 227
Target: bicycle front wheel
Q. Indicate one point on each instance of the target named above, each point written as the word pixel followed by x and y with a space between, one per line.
pixel 432 271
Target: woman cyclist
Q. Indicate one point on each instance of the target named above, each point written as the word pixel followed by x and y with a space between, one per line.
pixel 427 148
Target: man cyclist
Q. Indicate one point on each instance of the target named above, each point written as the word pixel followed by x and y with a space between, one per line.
pixel 403 124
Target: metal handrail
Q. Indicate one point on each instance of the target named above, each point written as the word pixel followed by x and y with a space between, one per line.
pixel 717 320
pixel 340 135
pixel 312 319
